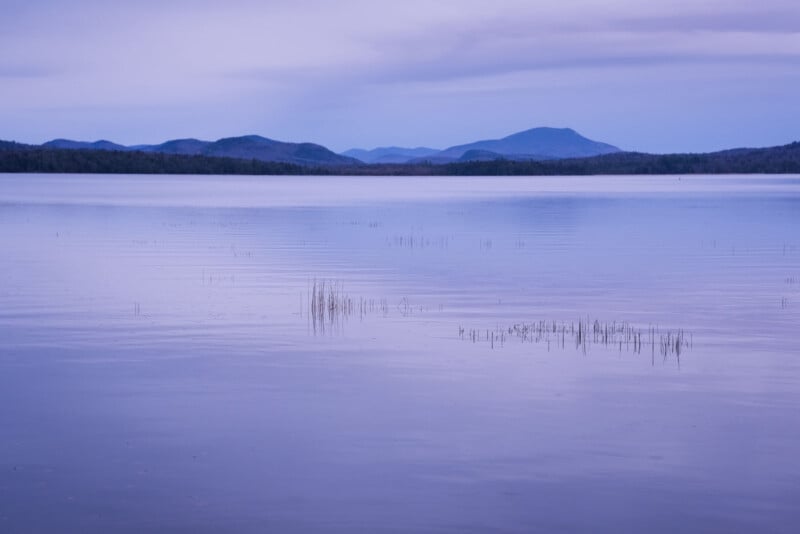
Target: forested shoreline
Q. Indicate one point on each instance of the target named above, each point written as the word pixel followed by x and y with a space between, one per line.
pixel 17 158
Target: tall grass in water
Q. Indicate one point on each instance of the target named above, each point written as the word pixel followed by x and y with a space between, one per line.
pixel 584 334
pixel 330 305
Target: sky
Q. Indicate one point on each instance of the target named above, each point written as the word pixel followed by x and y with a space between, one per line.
pixel 655 76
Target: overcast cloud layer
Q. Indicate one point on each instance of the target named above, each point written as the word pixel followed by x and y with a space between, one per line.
pixel 655 76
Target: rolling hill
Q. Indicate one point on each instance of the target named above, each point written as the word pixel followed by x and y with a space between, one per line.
pixel 251 147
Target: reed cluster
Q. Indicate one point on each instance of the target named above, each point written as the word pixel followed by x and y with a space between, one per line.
pixel 584 334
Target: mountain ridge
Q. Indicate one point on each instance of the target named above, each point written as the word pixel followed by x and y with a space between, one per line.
pixel 540 143
pixel 253 147
pixel 69 144
pixel 535 144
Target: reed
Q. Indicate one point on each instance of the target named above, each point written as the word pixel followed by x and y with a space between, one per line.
pixel 329 305
pixel 584 334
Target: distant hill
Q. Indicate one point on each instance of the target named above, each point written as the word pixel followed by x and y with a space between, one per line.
pixel 389 154
pixel 263 149
pixel 537 143
pixel 189 147
pixel 68 144
pixel 246 147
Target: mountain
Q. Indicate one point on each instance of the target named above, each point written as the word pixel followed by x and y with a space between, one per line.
pixel 537 144
pixel 263 149
pixel 246 147
pixel 82 145
pixel 389 154
pixel 189 147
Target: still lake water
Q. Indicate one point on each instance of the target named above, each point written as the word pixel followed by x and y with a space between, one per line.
pixel 162 368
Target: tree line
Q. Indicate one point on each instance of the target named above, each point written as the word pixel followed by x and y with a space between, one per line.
pixel 42 160
pixel 16 158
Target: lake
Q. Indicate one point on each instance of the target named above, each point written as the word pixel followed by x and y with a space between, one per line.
pixel 328 354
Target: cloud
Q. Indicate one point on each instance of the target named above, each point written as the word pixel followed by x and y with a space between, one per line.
pixel 390 41
pixel 23 71
pixel 280 63
pixel 769 17
pixel 503 45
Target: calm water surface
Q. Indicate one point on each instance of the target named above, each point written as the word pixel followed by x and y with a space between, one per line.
pixel 162 367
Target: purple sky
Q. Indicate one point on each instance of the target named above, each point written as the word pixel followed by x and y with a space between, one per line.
pixel 656 76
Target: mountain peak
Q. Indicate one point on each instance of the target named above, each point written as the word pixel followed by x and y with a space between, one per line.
pixel 544 142
pixel 247 139
pixel 546 129
pixel 547 132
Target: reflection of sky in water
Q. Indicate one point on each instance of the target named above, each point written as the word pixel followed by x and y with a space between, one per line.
pixel 233 274
pixel 178 338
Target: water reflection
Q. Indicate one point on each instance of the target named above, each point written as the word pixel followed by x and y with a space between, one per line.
pixel 324 354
